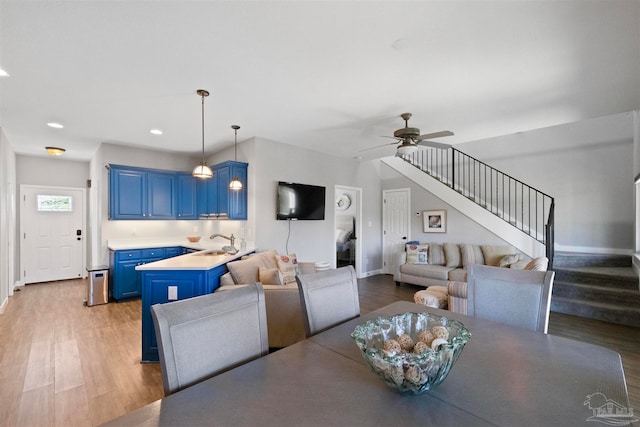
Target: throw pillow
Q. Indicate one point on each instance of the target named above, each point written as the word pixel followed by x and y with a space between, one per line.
pixel 270 276
pixel 436 254
pixel 417 254
pixel 538 264
pixel 507 260
pixel 494 253
pixel 247 271
pixel 452 254
pixel 471 254
pixel 288 266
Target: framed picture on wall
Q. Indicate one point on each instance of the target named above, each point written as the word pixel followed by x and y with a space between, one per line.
pixel 434 221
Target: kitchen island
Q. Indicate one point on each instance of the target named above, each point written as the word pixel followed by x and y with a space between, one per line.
pixel 177 278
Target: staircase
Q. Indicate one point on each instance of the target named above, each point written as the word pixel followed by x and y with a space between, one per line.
pixel 602 287
pixel 509 208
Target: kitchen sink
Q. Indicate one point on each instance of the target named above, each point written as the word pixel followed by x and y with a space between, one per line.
pixel 212 253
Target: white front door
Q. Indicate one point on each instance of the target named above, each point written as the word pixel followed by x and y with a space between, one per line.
pixel 52 233
pixel 395 220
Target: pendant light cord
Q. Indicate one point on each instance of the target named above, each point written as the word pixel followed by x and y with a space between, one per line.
pixel 202 129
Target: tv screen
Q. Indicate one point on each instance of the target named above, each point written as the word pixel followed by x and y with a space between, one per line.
pixel 300 201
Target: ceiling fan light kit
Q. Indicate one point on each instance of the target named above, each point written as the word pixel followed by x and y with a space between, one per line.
pixel 202 171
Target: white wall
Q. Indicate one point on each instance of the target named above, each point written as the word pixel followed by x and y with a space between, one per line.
pixel 587 167
pixel 8 248
pixel 460 228
pixel 270 162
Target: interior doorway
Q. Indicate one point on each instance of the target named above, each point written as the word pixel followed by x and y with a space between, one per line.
pixel 52 233
pixel 395 223
pixel 348 227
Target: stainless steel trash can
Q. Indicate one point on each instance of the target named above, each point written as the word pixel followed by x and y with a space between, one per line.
pixel 98 286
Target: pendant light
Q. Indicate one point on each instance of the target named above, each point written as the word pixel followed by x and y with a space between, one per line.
pixel 202 171
pixel 235 183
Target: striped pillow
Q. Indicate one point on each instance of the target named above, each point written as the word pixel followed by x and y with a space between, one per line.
pixel 471 254
pixel 436 254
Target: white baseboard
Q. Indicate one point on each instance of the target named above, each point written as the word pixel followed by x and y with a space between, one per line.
pixel 592 250
pixel 370 273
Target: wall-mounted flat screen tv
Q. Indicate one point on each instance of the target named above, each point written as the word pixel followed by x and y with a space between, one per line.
pixel 300 201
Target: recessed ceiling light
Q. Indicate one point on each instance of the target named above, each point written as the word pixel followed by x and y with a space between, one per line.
pixel 156 131
pixel 55 151
pixel 3 73
pixel 55 125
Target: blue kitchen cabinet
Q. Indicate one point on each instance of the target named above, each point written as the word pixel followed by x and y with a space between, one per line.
pixel 127 193
pixel 173 251
pixel 155 290
pixel 161 195
pixel 216 200
pixel 126 282
pixel 236 201
pixel 187 206
pixel 139 193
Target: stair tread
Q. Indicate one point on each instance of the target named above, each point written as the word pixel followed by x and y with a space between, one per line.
pixel 626 272
pixel 600 305
pixel 597 287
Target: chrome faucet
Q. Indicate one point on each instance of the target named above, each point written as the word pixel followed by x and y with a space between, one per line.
pixel 228 249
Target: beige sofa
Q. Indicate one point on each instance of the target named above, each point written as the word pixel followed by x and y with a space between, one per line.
pixel 285 323
pixel 445 267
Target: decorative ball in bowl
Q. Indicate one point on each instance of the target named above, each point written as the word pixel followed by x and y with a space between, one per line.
pixel 193 239
pixel 411 352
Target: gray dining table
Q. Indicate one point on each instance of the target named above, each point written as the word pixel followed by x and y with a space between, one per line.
pixel 505 376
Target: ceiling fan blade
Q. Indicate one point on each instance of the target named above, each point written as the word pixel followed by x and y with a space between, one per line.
pixel 378 146
pixel 434 144
pixel 435 135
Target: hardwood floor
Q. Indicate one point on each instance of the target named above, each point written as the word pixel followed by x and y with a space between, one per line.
pixel 64 364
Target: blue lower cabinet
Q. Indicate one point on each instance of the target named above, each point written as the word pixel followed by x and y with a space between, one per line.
pixel 126 282
pixel 155 290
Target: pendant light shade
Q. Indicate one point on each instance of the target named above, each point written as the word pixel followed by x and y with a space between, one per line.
pixel 202 171
pixel 235 183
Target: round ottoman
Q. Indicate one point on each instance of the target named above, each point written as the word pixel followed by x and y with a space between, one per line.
pixel 433 296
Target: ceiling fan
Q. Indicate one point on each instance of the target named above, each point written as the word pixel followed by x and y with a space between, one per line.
pixel 408 138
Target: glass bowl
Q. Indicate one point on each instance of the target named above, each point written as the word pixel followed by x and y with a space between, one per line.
pixel 399 366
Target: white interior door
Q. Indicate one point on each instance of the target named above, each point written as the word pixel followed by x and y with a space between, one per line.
pixel 395 219
pixel 52 230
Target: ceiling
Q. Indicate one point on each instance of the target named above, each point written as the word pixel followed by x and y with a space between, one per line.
pixel 332 76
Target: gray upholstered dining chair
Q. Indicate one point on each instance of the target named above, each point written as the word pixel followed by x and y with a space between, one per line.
pixel 516 297
pixel 203 336
pixel 328 298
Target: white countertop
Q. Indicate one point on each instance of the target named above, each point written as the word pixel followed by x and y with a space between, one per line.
pixel 192 261
pixel 163 242
pixel 202 260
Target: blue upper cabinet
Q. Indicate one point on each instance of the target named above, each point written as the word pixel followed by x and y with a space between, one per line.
pixel 216 200
pixel 161 195
pixel 127 193
pixel 236 201
pixel 187 196
pixel 138 193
